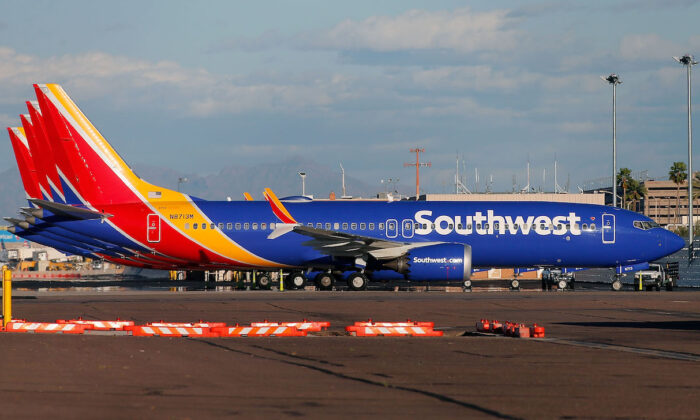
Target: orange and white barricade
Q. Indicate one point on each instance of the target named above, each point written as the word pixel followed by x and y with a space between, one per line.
pixel 150 331
pixel 304 325
pixel 117 325
pixel 408 323
pixel 44 327
pixel 375 331
pixel 251 331
pixel 200 324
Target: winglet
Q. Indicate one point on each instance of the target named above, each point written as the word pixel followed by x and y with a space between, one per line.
pixel 247 196
pixel 277 207
pixel 281 229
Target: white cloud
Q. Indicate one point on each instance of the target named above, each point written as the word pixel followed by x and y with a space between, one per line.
pixel 478 78
pixel 131 81
pixel 460 30
pixel 578 127
pixel 647 47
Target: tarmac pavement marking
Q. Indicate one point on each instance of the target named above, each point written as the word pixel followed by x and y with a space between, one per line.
pixel 690 357
pixel 440 397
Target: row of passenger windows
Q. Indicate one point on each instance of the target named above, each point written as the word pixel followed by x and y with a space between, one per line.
pixel 497 226
pixel 392 226
pixel 264 226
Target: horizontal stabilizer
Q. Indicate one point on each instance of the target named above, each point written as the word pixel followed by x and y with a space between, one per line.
pixel 78 213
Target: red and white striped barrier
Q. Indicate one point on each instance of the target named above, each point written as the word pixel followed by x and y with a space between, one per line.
pixel 388 329
pixel 150 331
pixel 89 324
pixel 305 325
pixel 251 331
pixel 408 323
pixel 200 324
pixel 44 327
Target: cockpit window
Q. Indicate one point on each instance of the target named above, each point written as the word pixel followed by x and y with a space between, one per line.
pixel 645 225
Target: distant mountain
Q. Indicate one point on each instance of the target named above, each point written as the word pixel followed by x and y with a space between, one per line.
pixel 282 177
pixel 231 181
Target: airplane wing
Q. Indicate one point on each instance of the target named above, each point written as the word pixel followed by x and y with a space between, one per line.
pixel 334 243
pixel 341 244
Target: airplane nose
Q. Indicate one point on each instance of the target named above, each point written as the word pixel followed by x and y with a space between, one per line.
pixel 673 242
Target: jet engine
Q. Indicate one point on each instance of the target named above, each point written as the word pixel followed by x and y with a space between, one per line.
pixel 451 262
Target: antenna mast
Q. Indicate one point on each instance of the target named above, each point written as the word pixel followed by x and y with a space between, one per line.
pixel 417 164
pixel 342 171
pixel 460 187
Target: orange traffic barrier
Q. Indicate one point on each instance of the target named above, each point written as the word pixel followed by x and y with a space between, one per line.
pixel 250 331
pixel 374 331
pixel 510 329
pixel 200 324
pixel 408 323
pixel 305 325
pixel 522 331
pixel 537 331
pixel 483 326
pixel 117 325
pixel 149 331
pixel 44 327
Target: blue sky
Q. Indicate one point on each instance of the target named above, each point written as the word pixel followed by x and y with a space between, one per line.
pixel 197 86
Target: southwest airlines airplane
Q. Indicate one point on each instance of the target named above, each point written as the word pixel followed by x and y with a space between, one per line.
pixel 85 200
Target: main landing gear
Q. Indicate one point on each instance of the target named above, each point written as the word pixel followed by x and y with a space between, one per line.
pixel 324 281
pixel 295 281
pixel 357 281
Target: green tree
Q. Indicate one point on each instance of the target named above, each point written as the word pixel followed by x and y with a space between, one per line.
pixel 636 191
pixel 678 174
pixel 624 178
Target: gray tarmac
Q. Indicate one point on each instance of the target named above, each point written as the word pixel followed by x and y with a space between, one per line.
pixel 605 355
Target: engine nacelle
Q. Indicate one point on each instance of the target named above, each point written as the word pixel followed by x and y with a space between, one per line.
pixel 451 262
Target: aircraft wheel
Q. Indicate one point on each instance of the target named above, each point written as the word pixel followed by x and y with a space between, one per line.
pixel 562 284
pixel 616 285
pixel 357 281
pixel 296 281
pixel 264 281
pixel 324 281
pixel 515 284
pixel 467 284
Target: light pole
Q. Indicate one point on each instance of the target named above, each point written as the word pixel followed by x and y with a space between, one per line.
pixel 181 180
pixel 303 183
pixel 614 80
pixel 688 61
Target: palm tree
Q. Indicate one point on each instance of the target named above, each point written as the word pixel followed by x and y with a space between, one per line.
pixel 636 191
pixel 678 174
pixel 623 179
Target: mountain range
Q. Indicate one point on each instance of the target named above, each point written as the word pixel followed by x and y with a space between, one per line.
pixel 231 181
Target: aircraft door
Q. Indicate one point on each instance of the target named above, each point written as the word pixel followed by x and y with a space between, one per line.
pixel 153 228
pixel 392 228
pixel 608 228
pixel 407 228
